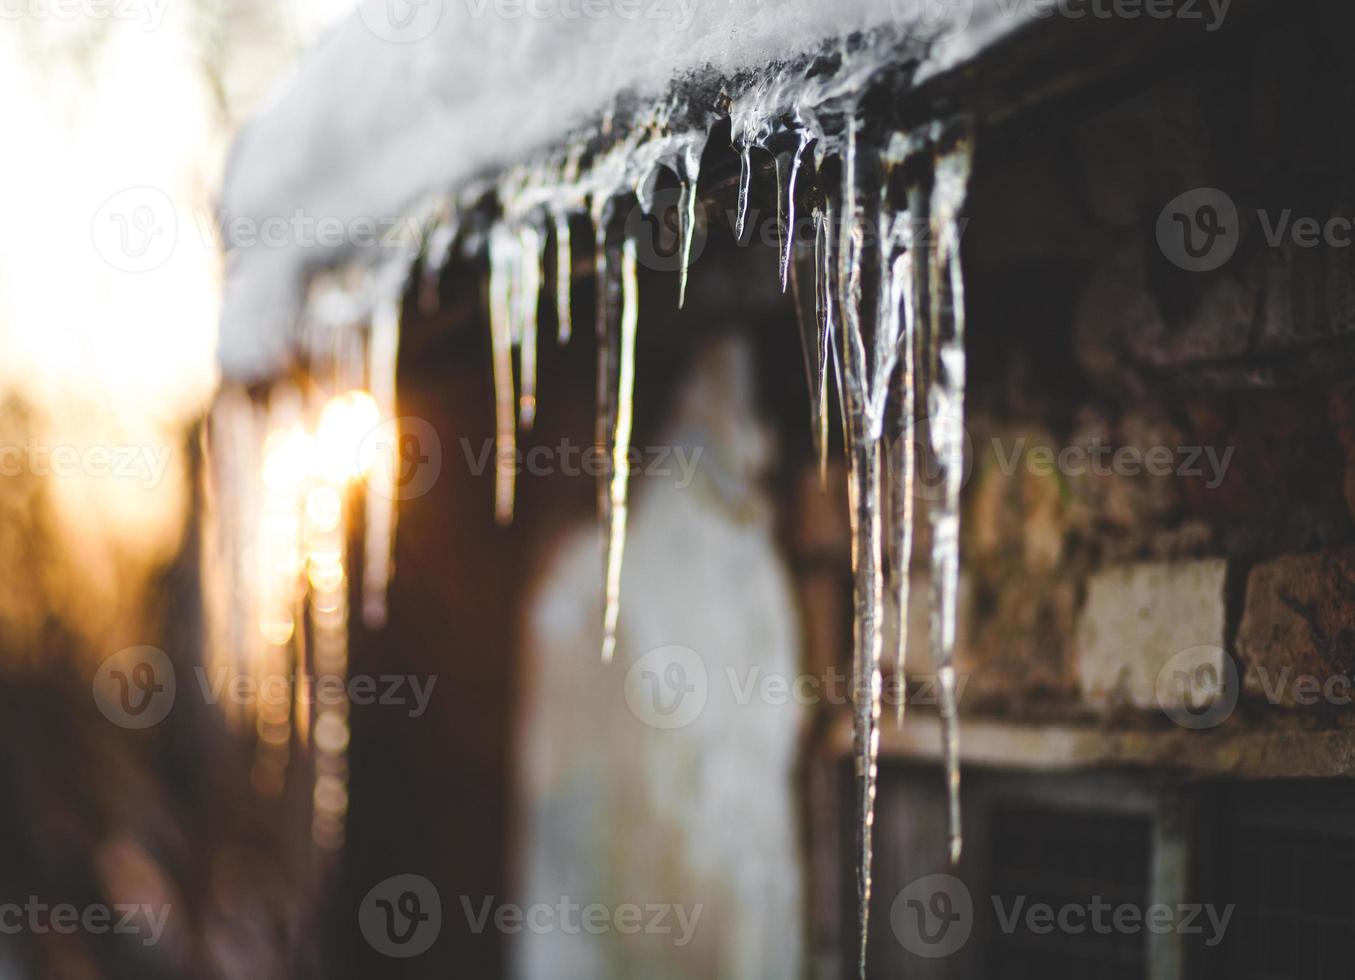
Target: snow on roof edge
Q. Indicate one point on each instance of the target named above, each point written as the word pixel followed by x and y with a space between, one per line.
pixel 376 120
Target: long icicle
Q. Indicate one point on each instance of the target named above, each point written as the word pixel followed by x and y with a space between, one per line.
pixel 946 410
pixel 625 388
pixel 863 439
pixel 501 251
pixel 787 170
pixel 867 539
pixel 827 350
pixel 895 335
pixel 690 163
pixel 745 186
pixel 383 348
pixel 564 273
pixel 528 280
pixel 606 328
pixel 436 255
pixel 811 334
pixel 901 297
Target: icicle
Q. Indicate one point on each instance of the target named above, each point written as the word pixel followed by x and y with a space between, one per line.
pixel 811 336
pixel 621 448
pixel 901 298
pixel 745 185
pixel 436 254
pixel 528 282
pixel 691 168
pixel 945 407
pixel 787 169
pixel 564 271
pixel 283 488
pixel 379 524
pixel 608 301
pixel 823 304
pixel 863 447
pixel 235 444
pixel 501 340
pixel 868 365
pixel 867 539
pixel 895 335
pixel 329 629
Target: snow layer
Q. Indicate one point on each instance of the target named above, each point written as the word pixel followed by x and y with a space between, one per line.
pixel 407 98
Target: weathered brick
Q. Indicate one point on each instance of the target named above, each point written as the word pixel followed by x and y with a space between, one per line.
pixel 1137 618
pixel 1298 620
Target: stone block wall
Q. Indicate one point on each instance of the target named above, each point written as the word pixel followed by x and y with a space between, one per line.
pixel 1159 522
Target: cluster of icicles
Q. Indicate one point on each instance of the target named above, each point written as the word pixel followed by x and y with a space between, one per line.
pixel 883 325
pixel 287 471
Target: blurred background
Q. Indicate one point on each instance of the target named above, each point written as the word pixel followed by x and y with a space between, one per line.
pixel 106 371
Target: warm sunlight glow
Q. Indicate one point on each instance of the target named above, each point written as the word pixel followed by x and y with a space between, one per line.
pixel 342 450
